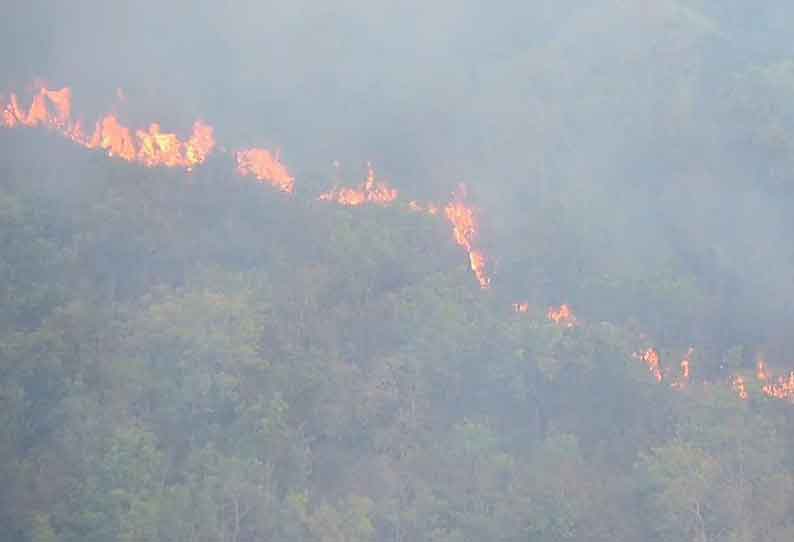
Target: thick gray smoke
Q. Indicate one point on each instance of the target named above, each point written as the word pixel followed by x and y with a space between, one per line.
pixel 659 129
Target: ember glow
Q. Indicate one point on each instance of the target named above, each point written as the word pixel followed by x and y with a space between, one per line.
pixel 465 229
pixel 562 316
pixel 371 191
pixel 265 166
pixel 151 147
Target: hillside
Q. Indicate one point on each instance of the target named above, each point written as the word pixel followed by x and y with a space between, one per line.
pixel 204 354
pixel 374 272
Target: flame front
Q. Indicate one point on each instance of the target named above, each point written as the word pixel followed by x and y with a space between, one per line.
pixel 464 228
pixel 371 191
pixel 265 166
pixel 53 109
pixel 153 147
pixel 38 113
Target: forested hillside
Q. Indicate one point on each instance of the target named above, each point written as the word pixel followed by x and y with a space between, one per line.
pixel 589 343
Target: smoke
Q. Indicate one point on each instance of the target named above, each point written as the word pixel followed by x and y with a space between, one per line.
pixel 615 149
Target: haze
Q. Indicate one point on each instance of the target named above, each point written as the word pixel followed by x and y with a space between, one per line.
pixel 561 311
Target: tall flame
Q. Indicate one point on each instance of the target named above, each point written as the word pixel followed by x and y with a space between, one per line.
pixel 371 191
pixel 38 113
pixel 464 227
pixel 265 166
pixel 652 360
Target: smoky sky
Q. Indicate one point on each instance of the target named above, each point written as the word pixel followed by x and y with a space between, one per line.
pixel 630 133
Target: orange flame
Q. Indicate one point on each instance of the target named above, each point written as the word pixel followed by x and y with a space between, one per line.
pixel 683 378
pixel 265 166
pixel 562 316
pixel 53 109
pixel 652 360
pixel 782 389
pixel 114 137
pixel 464 227
pixel 761 371
pixel 151 147
pixel 38 112
pixel 372 191
pixel 739 387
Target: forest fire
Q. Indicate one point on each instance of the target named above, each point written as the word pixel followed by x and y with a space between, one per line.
pixel 465 227
pixel 652 360
pixel 562 316
pixel 372 191
pixel 265 166
pixel 151 147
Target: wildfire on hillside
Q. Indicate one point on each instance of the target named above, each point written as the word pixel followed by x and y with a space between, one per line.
pixel 152 147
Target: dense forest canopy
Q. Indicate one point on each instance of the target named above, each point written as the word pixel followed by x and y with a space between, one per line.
pixel 407 272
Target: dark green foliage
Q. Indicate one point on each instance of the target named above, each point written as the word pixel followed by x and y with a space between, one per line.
pixel 197 358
